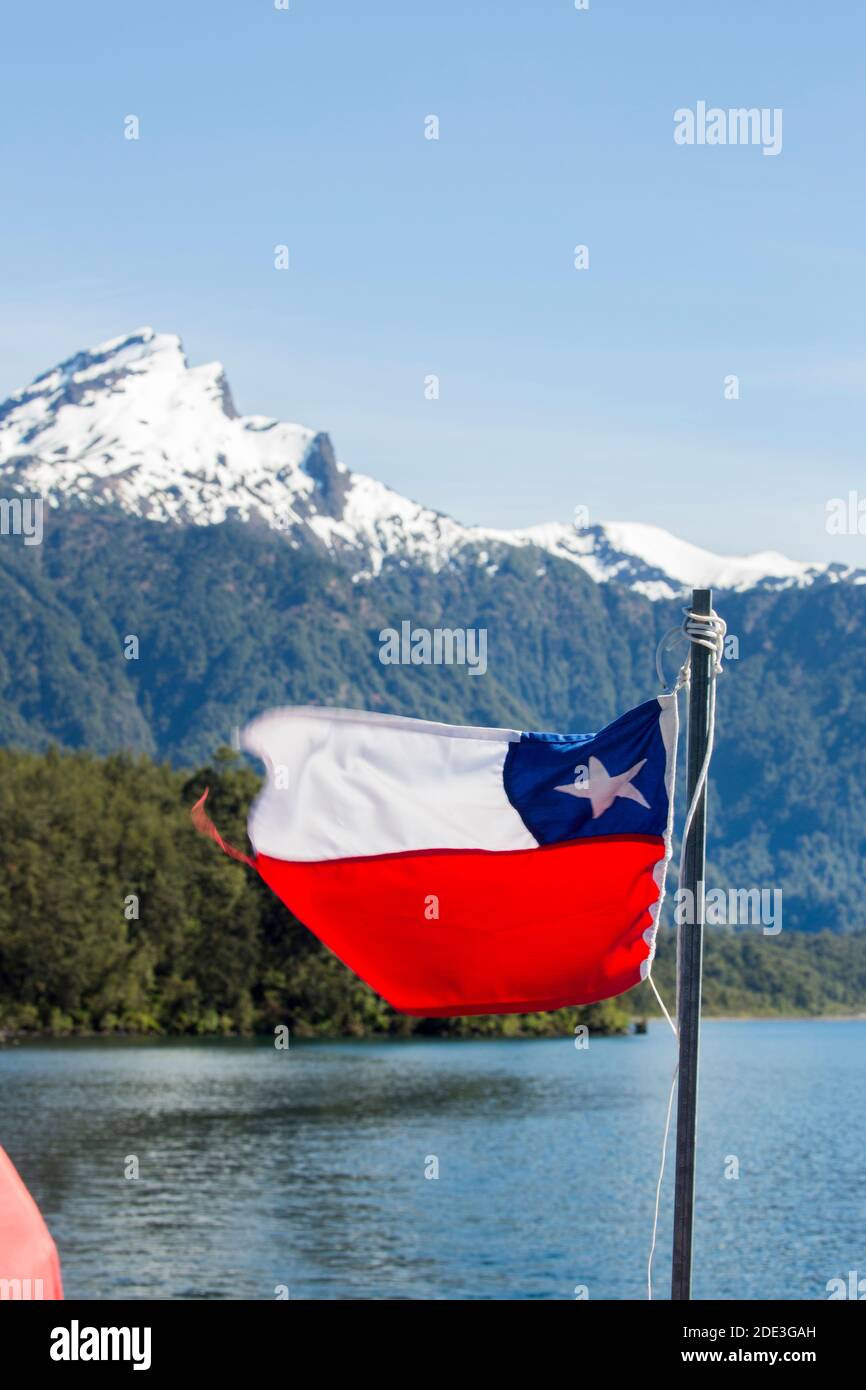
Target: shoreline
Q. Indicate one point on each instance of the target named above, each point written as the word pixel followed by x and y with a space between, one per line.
pixel 635 1029
pixel 772 1018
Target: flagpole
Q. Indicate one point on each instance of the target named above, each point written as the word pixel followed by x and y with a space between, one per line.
pixel 689 962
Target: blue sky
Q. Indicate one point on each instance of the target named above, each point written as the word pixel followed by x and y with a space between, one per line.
pixel 558 388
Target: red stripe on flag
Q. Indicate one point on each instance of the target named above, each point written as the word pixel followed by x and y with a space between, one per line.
pixel 517 930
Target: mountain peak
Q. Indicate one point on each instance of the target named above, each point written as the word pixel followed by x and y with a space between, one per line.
pixel 129 424
pixel 143 347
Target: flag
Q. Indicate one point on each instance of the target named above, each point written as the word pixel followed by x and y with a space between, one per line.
pixel 29 1267
pixel 469 870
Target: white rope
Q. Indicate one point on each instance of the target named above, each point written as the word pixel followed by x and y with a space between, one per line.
pixel 703 630
pixel 662 1005
pixel 649 1266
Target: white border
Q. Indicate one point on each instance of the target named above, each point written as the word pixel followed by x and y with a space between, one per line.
pixel 669 726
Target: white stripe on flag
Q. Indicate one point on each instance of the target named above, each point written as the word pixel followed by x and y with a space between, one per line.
pixel 342 783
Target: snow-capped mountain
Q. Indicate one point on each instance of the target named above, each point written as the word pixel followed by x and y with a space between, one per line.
pixel 131 425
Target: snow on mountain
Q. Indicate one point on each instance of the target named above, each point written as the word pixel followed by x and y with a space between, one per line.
pixel 659 565
pixel 131 425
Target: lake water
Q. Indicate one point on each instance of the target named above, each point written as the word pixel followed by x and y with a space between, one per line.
pixel 306 1168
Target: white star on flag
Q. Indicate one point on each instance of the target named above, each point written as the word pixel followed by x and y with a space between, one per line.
pixel 602 789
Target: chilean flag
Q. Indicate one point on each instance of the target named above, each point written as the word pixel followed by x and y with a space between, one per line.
pixel 469 870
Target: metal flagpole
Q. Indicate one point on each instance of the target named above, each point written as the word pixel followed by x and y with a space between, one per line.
pixel 689 961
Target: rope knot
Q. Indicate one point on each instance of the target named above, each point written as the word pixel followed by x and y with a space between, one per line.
pixel 704 630
pixel 707 630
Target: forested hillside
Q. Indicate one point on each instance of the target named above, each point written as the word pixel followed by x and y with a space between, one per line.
pixel 116 915
pixel 230 620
